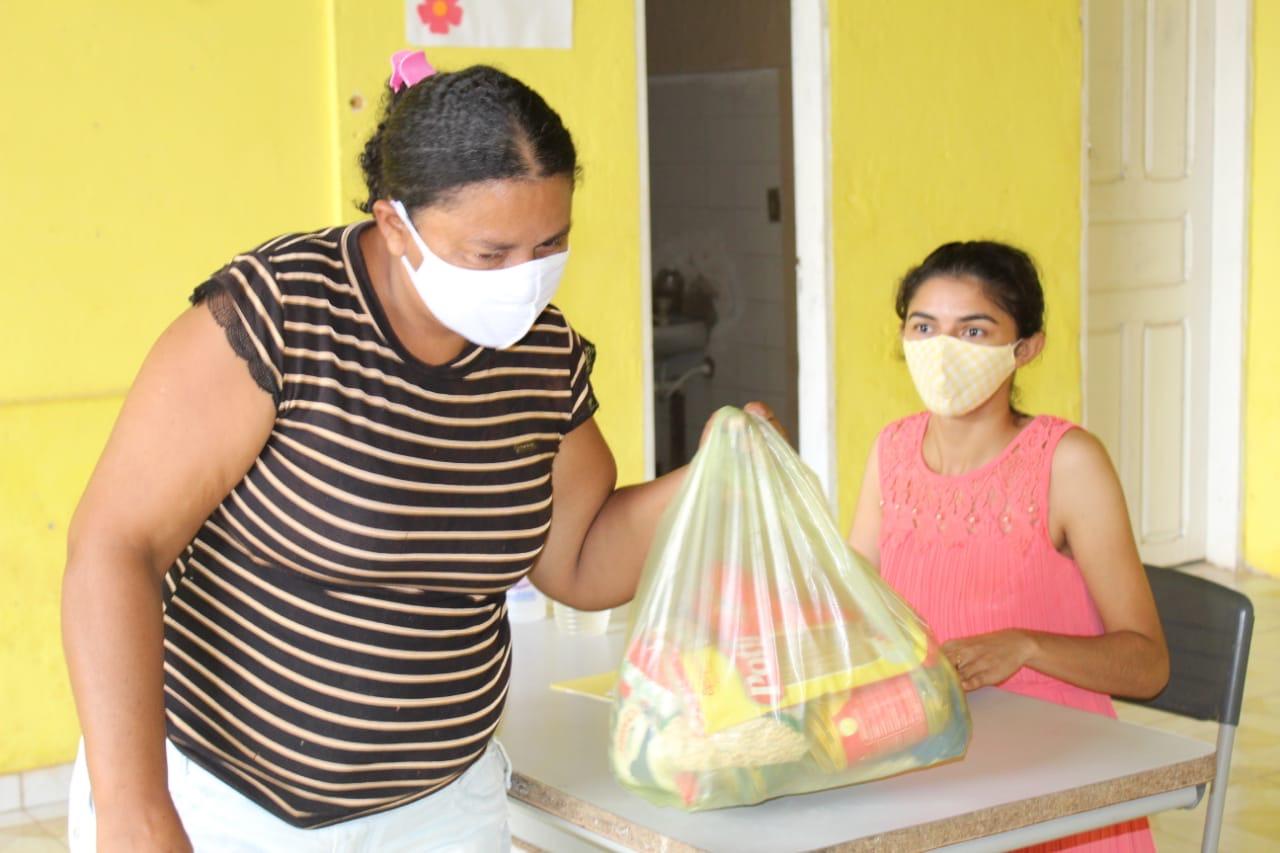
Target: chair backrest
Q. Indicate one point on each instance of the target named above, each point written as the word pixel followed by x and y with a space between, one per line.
pixel 1208 628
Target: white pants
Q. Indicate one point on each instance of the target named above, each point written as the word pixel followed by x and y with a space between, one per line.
pixel 467 816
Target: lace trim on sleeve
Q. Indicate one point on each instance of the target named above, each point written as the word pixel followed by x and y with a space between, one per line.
pixel 215 295
pixel 584 403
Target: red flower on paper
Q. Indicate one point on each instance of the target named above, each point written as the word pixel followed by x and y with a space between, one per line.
pixel 440 15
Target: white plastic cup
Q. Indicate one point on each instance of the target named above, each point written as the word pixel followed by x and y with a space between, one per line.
pixel 525 603
pixel 584 623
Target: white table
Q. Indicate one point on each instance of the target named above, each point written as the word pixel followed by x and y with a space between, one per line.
pixel 1034 771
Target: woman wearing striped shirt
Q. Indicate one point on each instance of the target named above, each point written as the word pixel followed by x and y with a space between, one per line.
pixel 284 603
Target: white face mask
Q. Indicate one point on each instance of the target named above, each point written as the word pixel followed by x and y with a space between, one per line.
pixel 953 376
pixel 493 308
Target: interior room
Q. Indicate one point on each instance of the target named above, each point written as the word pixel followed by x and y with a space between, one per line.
pixel 869 393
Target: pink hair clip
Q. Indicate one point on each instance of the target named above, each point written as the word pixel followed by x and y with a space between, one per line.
pixel 408 68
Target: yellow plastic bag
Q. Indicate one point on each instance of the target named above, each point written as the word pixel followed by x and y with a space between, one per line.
pixel 763 657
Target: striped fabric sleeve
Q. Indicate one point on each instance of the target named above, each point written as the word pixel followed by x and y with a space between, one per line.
pixel 583 396
pixel 246 301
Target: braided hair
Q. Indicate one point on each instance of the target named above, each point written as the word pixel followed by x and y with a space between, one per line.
pixel 458 128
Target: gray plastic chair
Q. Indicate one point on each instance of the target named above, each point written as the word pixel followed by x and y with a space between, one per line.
pixel 1208 628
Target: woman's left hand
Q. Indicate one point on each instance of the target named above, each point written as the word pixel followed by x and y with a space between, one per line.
pixel 986 659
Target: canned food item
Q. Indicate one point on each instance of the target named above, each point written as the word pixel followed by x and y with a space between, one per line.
pixel 880 718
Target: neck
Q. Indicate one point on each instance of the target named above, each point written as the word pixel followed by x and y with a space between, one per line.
pixel 426 338
pixel 958 445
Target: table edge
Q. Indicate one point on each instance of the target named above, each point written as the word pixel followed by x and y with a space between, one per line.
pixel 594 819
pixel 925 836
pixel 1022 813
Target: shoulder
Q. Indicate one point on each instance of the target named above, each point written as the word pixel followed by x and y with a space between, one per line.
pixel 911 423
pixel 1074 446
pixel 553 332
pixel 298 276
pixel 898 444
pixel 1085 496
pixel 1081 466
pixel 573 358
pixel 552 348
pixel 903 430
pixel 309 260
pixel 295 246
pixel 553 319
pixel 308 257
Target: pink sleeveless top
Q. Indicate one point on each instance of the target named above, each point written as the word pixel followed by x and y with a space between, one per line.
pixel 973 553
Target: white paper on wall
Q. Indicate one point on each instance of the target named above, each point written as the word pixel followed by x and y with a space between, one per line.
pixel 489 23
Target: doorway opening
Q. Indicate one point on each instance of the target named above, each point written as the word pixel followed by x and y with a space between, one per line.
pixel 722 215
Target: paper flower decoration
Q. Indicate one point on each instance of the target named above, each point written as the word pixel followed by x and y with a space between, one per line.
pixel 440 15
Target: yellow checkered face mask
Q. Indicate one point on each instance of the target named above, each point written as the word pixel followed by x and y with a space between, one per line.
pixel 953 376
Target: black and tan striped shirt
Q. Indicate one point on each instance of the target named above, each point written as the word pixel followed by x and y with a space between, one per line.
pixel 336 641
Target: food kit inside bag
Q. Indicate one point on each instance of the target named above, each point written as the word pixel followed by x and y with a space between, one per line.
pixel 764 658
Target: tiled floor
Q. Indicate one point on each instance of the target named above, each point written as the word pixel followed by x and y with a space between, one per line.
pixel 1253 799
pixel 39 830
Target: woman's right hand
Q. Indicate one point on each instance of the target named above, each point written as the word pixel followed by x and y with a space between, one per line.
pixel 159 831
pixel 755 407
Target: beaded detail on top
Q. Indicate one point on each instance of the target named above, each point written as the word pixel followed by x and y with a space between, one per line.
pixel 1005 499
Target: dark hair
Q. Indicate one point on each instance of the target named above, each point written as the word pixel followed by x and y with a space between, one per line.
pixel 457 128
pixel 1007 275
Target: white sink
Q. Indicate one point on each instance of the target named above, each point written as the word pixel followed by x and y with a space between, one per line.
pixel 678 337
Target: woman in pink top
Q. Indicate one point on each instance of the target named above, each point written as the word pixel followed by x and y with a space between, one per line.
pixel 1008 533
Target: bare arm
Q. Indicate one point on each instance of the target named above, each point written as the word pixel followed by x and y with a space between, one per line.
pixel 600 537
pixel 1131 658
pixel 864 537
pixel 1089 517
pixel 191 426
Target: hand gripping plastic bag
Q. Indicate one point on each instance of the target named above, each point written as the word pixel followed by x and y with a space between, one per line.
pixel 764 657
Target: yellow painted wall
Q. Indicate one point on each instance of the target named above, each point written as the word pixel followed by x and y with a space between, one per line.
pixel 191 134
pixel 949 121
pixel 154 141
pixel 593 87
pixel 1262 366
pixel 142 145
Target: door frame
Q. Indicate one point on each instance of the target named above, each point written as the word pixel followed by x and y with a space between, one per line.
pixel 815 315
pixel 646 241
pixel 1232 102
pixel 1232 94
pixel 815 257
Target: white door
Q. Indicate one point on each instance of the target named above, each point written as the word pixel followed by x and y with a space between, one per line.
pixel 1150 125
